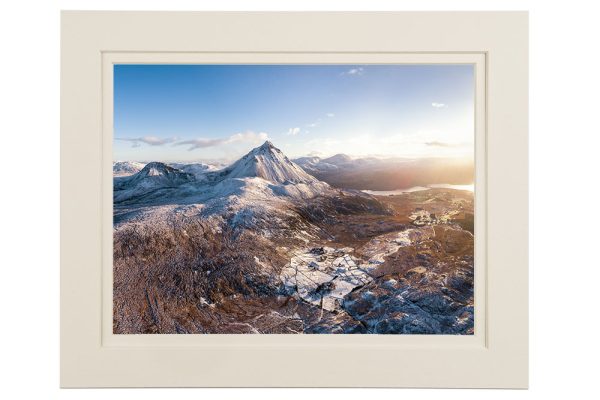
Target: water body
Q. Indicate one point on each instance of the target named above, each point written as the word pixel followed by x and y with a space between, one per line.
pixel 469 188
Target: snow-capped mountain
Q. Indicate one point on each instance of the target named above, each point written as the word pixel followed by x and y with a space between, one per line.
pixel 261 186
pixel 262 175
pixel 154 176
pixel 269 163
pixel 124 168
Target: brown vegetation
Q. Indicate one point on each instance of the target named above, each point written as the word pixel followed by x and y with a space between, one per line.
pixel 192 276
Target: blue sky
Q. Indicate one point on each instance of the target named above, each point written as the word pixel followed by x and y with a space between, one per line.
pixel 219 112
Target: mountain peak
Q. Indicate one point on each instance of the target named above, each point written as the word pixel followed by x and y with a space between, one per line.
pixel 269 163
pixel 265 148
pixel 156 168
pixel 267 145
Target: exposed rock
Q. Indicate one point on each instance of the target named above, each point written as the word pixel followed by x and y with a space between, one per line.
pixel 413 303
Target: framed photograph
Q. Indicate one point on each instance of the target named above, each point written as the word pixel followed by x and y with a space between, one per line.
pixel 244 198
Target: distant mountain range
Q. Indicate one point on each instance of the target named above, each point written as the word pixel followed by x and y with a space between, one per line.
pixel 340 170
pixel 265 183
pixel 373 173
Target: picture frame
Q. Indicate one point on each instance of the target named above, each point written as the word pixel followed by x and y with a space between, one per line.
pixel 495 42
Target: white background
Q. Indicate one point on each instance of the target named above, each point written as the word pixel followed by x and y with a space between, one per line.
pixel 564 199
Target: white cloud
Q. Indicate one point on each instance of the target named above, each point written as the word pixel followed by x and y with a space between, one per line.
pixel 330 115
pixel 438 105
pixel 437 143
pixel 314 124
pixel 293 131
pixel 149 140
pixel 355 71
pixel 247 137
pixel 203 143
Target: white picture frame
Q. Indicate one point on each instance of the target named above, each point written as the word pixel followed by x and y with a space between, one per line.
pixel 494 42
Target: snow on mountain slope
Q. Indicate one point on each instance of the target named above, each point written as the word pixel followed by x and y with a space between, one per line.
pixel 196 169
pixel 315 164
pixel 308 160
pixel 263 185
pixel 125 168
pixel 154 176
pixel 341 162
pixel 269 163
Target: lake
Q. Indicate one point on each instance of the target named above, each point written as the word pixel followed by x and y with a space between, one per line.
pixel 469 188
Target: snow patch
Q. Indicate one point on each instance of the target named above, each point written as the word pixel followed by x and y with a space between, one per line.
pixel 377 249
pixel 323 276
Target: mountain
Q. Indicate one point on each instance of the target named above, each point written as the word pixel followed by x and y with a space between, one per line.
pixel 158 174
pixel 154 176
pixel 269 163
pixel 124 168
pixel 338 159
pixel 261 178
pixel 263 189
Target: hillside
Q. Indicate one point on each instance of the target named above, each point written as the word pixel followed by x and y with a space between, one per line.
pixel 261 246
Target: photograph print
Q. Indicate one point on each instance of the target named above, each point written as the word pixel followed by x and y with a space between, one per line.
pixel 289 199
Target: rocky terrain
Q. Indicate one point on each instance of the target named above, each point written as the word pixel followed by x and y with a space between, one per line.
pixel 263 246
